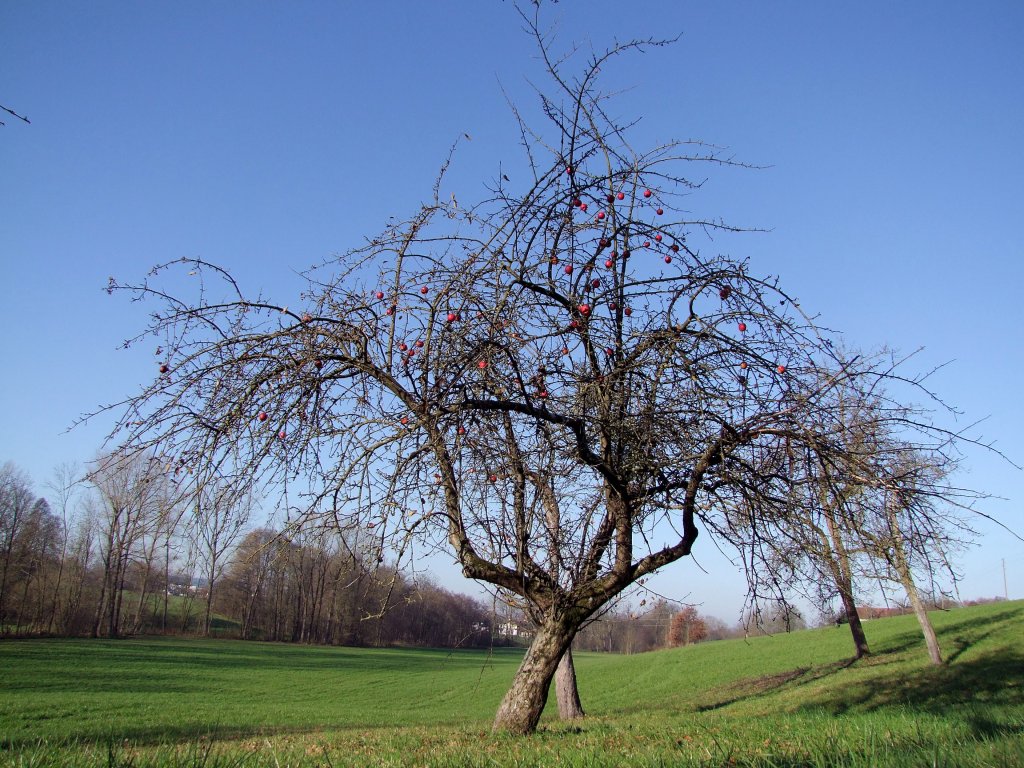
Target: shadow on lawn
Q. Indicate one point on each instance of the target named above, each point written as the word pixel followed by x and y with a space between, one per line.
pixel 995 677
pixel 970 680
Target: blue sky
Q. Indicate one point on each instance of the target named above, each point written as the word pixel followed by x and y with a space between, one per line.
pixel 267 136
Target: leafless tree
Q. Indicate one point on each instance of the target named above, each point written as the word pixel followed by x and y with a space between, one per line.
pixel 579 327
pixel 868 495
pixel 18 503
pixel 221 515
pixel 132 499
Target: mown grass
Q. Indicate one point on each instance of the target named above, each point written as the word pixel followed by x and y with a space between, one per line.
pixel 785 700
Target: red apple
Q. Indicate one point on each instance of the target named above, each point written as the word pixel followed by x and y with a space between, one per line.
pixel 584 309
pixel 319 364
pixel 565 350
pixel 607 262
pixel 612 306
pixel 568 269
pixel 583 207
pixel 164 368
pixel 405 419
pixel 675 248
pixel 542 393
pixel 600 215
pixel 482 364
pixel 609 351
pixel 461 430
pixel 621 196
pixel 658 237
pixel 379 294
pixel 742 327
pixel 451 317
pixel 743 365
pixel 724 293
pixel 573 324
pixel 576 202
pixel 628 311
pixel 282 434
pixel 403 346
pixel 569 170
pixel 424 289
pixel 493 478
pixel 660 211
pixel 390 311
pixel 611 199
pixel 603 243
pixel 781 369
pixel 419 343
pixel 668 259
pixel 647 243
pixel 262 416
pixel 647 193
pixel 595 283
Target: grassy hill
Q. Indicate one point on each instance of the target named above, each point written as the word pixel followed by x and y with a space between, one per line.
pixel 784 700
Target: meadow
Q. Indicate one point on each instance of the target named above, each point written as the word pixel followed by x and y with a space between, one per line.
pixel 782 700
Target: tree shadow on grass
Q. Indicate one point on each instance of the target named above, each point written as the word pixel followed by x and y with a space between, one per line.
pixel 767 684
pixel 955 636
pixel 971 679
pixel 992 678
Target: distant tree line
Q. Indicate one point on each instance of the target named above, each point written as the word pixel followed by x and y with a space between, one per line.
pixel 119 551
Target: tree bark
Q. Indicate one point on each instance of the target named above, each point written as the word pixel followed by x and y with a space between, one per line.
pixel 860 640
pixel 922 618
pixel 522 706
pixel 906 577
pixel 569 705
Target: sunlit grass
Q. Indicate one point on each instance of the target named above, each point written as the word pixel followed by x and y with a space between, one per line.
pixel 785 700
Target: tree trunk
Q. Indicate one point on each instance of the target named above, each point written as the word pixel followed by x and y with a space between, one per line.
pixel 906 577
pixel 922 618
pixel 839 563
pixel 860 640
pixel 522 706
pixel 566 692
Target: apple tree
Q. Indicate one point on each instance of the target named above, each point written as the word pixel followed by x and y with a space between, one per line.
pixel 870 497
pixel 574 338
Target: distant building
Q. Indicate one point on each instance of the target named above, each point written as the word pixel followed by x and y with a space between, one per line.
pixel 514 629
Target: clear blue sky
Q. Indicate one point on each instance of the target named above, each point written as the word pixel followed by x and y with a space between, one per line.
pixel 266 136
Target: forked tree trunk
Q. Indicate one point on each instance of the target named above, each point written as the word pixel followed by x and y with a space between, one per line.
pixel 569 705
pixel 522 706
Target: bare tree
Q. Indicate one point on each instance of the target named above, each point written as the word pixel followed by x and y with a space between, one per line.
pixel 221 514
pixel 17 502
pixel 64 484
pixel 579 328
pixel 868 496
pixel 132 497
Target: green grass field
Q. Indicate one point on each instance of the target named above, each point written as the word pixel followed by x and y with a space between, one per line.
pixel 785 700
